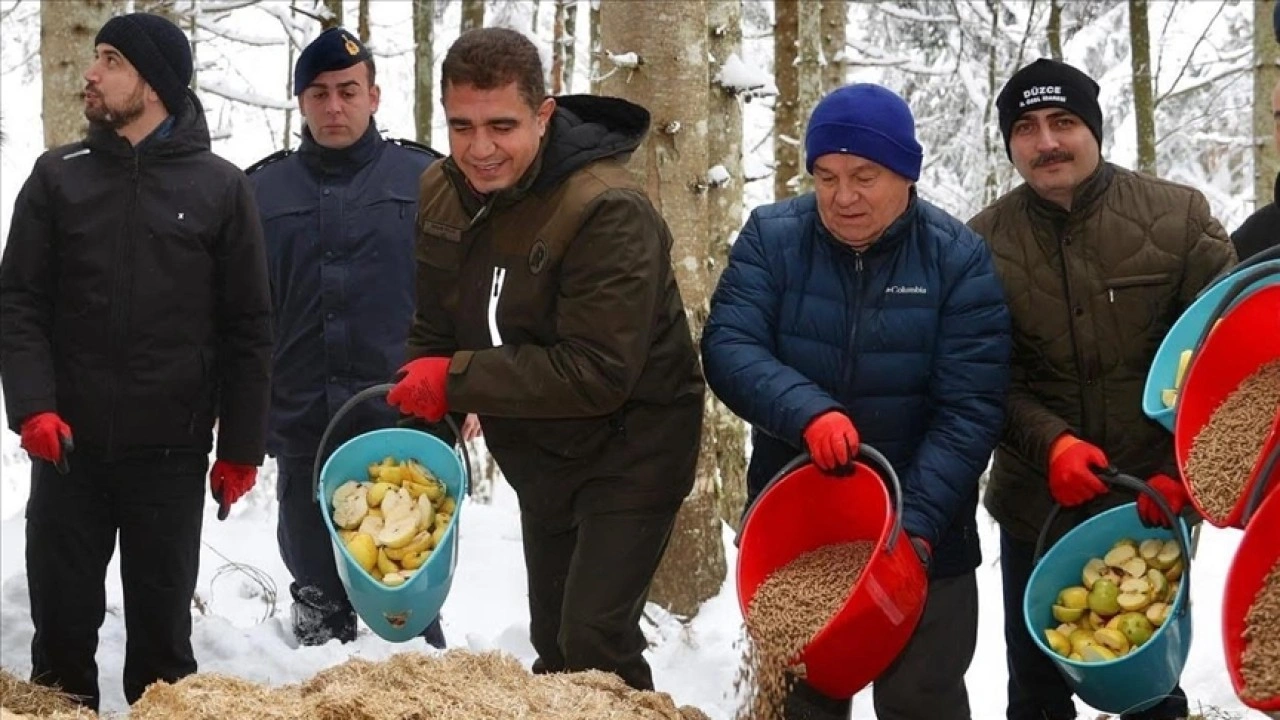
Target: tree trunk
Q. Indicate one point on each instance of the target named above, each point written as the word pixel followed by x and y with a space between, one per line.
pixel 290 57
pixel 786 113
pixel 472 14
pixel 557 49
pixel 724 216
pixel 835 20
pixel 1054 29
pixel 1144 109
pixel 672 82
pixel 992 142
pixel 333 14
pixel 571 42
pixel 593 48
pixel 362 21
pixel 808 81
pixel 424 12
pixel 67 30
pixel 1266 156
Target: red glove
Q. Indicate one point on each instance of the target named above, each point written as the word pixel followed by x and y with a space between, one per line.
pixel 1175 495
pixel 229 482
pixel 1073 471
pixel 833 443
pixel 421 391
pixel 44 435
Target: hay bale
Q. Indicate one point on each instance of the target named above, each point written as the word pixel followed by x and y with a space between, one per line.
pixel 22 700
pixel 456 685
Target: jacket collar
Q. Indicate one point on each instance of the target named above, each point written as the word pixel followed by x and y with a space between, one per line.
pixel 1087 194
pixel 340 162
pixel 892 237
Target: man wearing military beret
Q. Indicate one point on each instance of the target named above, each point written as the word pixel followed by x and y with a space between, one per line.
pixel 338 216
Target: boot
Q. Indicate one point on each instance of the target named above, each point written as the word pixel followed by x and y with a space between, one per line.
pixel 317 619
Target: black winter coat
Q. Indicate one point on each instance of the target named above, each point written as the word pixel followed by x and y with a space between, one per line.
pixel 1260 231
pixel 133 296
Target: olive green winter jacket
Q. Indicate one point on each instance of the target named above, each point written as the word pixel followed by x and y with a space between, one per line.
pixel 1092 292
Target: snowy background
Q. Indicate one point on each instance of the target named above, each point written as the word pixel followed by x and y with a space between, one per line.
pixel 242 629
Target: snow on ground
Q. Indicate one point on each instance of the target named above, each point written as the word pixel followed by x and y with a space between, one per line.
pixel 237 634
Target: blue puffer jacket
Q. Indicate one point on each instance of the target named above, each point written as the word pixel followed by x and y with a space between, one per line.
pixel 339 226
pixel 910 338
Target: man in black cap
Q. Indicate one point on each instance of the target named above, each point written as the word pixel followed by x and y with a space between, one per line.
pixel 134 310
pixel 338 216
pixel 1097 262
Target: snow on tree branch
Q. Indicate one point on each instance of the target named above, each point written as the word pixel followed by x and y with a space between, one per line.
pixel 247 98
pixel 739 78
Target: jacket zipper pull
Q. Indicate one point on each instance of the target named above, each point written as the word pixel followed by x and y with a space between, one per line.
pixel 1111 293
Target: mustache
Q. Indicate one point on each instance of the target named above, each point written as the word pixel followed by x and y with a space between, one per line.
pixel 1055 156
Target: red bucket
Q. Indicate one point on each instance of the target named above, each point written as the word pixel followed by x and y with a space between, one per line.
pixel 1258 552
pixel 803 509
pixel 1247 338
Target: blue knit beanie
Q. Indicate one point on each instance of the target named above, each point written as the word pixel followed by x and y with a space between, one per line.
pixel 869 121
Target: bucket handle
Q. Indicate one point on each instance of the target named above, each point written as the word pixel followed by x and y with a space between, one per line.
pixel 1238 286
pixel 864 451
pixel 1258 492
pixel 1115 478
pixel 367 393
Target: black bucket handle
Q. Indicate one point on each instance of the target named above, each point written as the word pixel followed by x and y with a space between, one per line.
pixel 373 392
pixel 864 451
pixel 1117 479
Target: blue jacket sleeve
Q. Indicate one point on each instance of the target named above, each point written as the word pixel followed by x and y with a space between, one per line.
pixel 967 386
pixel 739 352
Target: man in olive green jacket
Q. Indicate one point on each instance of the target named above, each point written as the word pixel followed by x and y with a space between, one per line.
pixel 1097 262
pixel 547 304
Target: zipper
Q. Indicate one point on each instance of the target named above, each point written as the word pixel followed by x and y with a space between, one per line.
pixel 495 294
pixel 120 286
pixel 852 350
pixel 1071 327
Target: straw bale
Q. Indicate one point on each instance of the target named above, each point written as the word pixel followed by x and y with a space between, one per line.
pixel 456 685
pixel 22 700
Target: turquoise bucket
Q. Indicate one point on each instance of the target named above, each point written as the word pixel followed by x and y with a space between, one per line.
pixel 403 612
pixel 1190 330
pixel 1144 677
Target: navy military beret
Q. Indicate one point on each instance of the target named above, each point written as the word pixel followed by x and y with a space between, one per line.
pixel 334 49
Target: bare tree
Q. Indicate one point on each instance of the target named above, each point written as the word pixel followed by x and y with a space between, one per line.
pixel 671 81
pixel 1054 29
pixel 571 42
pixel 724 208
pixel 1266 74
pixel 472 14
pixel 558 48
pixel 835 19
pixel 786 109
pixel 362 21
pixel 332 15
pixel 424 12
pixel 593 45
pixel 66 35
pixel 1144 108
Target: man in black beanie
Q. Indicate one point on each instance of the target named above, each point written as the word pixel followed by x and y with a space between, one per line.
pixel 134 311
pixel 1097 261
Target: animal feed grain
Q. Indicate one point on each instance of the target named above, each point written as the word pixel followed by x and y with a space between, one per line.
pixel 1225 451
pixel 1260 662
pixel 788 610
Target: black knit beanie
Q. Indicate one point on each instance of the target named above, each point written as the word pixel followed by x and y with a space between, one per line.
pixel 158 49
pixel 1048 83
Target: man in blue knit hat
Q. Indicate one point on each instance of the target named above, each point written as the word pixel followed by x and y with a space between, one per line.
pixel 859 313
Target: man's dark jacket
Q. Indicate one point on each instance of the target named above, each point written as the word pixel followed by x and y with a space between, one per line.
pixel 1260 231
pixel 339 225
pixel 133 296
pixel 909 338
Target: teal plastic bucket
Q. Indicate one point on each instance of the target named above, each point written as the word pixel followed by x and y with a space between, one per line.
pixel 1145 676
pixel 1190 330
pixel 403 612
